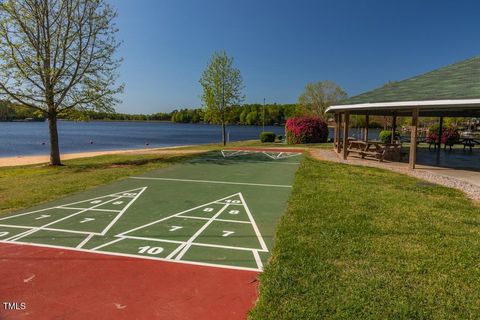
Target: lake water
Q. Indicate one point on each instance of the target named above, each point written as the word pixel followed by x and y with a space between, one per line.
pixel 31 138
pixel 26 138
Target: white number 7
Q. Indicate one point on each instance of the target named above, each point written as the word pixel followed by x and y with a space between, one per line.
pixel 87 219
pixel 227 233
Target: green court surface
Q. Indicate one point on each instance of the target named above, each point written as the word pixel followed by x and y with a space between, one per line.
pixel 219 209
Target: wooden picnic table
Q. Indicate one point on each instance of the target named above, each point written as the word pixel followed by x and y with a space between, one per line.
pixel 375 149
pixel 469 142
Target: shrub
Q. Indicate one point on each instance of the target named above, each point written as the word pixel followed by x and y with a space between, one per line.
pixel 306 130
pixel 450 135
pixel 386 136
pixel 267 137
pixel 280 138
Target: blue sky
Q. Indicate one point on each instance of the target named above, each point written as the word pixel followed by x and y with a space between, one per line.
pixel 281 45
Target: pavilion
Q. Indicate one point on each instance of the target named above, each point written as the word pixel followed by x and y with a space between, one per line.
pixel 451 91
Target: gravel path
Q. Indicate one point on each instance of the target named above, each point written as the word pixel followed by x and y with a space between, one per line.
pixel 471 190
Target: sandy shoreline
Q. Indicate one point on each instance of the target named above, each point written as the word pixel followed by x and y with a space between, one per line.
pixel 39 159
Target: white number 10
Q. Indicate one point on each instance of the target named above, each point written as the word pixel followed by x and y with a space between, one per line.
pixel 150 250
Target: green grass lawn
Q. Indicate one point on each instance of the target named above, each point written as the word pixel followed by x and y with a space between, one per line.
pixel 364 243
pixel 26 186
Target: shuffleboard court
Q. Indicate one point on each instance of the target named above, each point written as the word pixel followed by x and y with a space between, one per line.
pixel 190 237
pixel 219 209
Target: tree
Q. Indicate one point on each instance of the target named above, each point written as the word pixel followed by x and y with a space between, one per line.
pixel 57 55
pixel 318 96
pixel 222 88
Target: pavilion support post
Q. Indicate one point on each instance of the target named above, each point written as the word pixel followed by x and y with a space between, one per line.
pixel 440 133
pixel 346 120
pixel 365 134
pixel 413 140
pixel 339 117
pixel 336 133
pixel 394 128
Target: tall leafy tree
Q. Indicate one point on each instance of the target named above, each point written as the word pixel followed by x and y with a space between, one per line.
pixel 222 86
pixel 58 55
pixel 318 96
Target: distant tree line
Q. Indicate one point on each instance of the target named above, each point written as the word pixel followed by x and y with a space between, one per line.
pixel 12 112
pixel 248 114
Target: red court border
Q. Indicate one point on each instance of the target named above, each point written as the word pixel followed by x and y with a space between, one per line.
pixel 68 284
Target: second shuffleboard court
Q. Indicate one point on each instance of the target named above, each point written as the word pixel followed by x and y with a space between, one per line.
pixel 219 209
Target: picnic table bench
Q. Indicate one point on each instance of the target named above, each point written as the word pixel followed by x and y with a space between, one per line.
pixel 465 141
pixel 469 142
pixel 375 149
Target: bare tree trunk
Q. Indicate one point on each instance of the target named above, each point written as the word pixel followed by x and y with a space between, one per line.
pixel 224 137
pixel 54 147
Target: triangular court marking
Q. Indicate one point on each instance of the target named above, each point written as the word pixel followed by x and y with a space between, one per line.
pixel 173 215
pixel 280 155
pixel 271 154
pixel 113 197
pixel 70 204
pixel 235 200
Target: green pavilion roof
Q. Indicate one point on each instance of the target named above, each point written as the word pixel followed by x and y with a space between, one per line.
pixel 452 91
pixel 454 82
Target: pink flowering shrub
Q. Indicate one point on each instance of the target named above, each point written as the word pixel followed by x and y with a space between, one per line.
pixel 306 130
pixel 450 135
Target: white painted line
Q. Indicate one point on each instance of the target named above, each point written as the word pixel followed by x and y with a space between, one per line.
pixel 215 182
pixel 274 155
pixel 81 244
pixel 257 259
pixel 49 229
pixel 203 264
pixel 254 225
pixel 153 239
pixel 123 211
pixel 200 244
pixel 199 231
pixel 233 204
pixel 174 252
pixel 107 244
pixel 14 226
pixel 71 231
pixel 192 217
pixel 21 234
pixel 223 220
pixel 233 221
pixel 97 209
pixel 269 155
